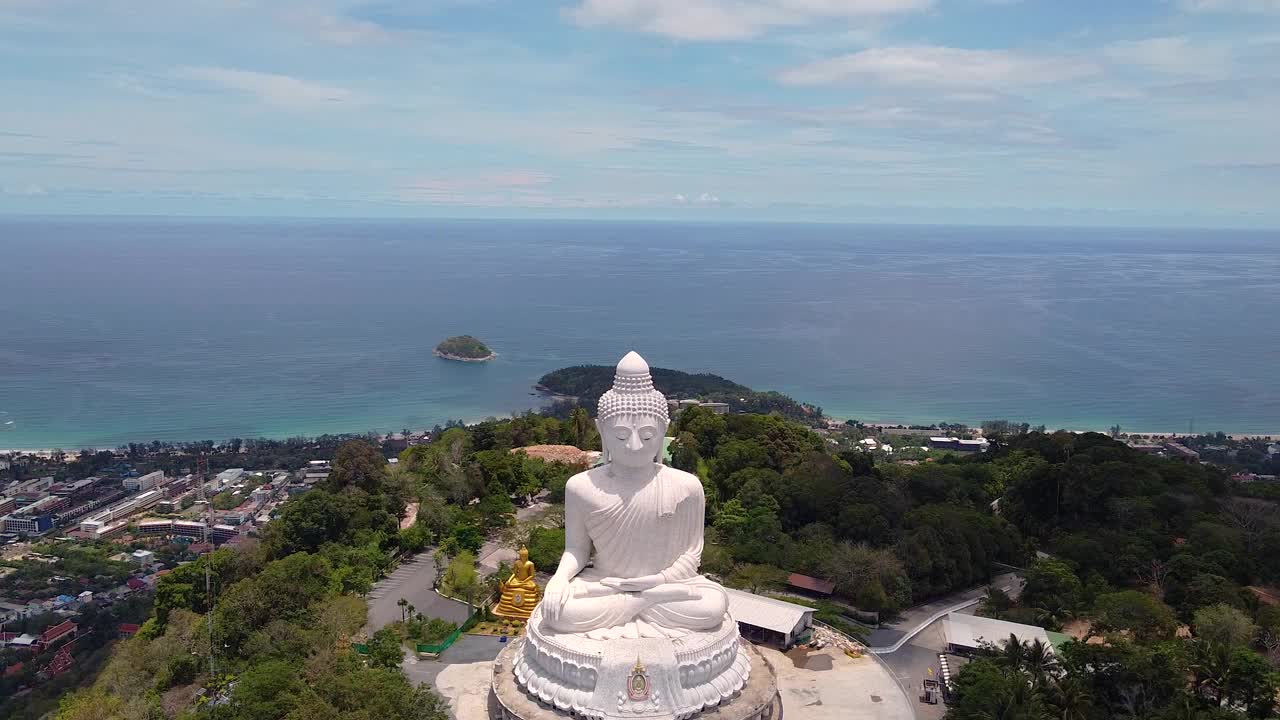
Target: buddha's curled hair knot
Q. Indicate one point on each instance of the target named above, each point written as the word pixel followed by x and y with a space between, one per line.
pixel 632 392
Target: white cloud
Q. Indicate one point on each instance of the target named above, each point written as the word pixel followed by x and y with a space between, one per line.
pixel 28 190
pixel 1232 6
pixel 729 19
pixel 1175 55
pixel 495 188
pixel 339 30
pixel 706 199
pixel 273 89
pixel 936 66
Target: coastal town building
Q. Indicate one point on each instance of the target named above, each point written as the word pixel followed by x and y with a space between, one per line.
pixel 29 524
pixel 223 533
pixel 228 477
pixel 1182 452
pixel 959 444
pixel 64 630
pixel 122 510
pixel 718 408
pixel 146 482
pixel 315 472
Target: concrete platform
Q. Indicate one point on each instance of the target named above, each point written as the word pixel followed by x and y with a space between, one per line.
pixel 829 685
pixel 757 701
pixel 812 685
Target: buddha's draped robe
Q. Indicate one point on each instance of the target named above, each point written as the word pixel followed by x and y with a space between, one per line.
pixel 655 530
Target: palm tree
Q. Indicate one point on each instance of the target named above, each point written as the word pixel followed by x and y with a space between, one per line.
pixel 1020 703
pixel 403 604
pixel 1210 665
pixel 411 610
pixel 1070 699
pixel 995 600
pixel 581 422
pixel 1039 660
pixel 1012 653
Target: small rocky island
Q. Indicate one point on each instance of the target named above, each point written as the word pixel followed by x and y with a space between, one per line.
pixel 464 348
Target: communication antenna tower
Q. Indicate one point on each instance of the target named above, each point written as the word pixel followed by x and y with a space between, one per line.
pixel 202 474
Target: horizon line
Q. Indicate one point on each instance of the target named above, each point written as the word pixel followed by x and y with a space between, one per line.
pixel 632 219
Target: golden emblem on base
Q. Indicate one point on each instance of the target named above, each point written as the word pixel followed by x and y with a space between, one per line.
pixel 520 594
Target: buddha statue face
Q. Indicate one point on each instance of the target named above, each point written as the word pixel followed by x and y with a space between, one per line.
pixel 524 554
pixel 632 440
pixel 633 416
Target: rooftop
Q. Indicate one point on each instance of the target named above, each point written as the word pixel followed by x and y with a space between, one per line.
pixel 818 585
pixel 972 631
pixel 776 615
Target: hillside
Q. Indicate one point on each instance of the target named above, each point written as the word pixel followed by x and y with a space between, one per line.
pixel 465 348
pixel 589 382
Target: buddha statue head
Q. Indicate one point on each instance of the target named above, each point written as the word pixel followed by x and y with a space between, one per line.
pixel 632 416
pixel 524 554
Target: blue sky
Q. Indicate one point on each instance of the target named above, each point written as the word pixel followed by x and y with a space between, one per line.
pixel 1002 111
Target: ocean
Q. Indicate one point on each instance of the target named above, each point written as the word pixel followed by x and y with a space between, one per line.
pixel 133 329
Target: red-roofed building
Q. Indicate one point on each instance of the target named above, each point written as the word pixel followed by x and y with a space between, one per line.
pixel 811 584
pixel 129 629
pixel 13 669
pixel 62 662
pixel 5 637
pixel 135 583
pixel 64 629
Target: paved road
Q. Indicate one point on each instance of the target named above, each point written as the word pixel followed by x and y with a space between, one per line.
pixel 914 618
pixel 913 660
pixel 411 581
pixel 911 664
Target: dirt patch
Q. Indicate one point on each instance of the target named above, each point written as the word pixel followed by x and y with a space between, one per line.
pixel 807 659
pixel 179 698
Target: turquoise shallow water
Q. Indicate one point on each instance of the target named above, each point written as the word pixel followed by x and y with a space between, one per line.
pixel 117 330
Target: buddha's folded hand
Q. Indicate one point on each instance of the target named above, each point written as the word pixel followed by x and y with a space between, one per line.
pixel 633 584
pixel 555 597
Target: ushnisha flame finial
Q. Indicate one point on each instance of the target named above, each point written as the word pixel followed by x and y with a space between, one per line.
pixel 632 392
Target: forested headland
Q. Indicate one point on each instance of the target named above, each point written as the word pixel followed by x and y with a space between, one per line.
pixel 586 383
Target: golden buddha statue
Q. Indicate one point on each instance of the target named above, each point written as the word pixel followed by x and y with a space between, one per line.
pixel 519 592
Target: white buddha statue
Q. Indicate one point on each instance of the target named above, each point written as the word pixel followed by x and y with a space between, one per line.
pixel 643 520
pixel 627 628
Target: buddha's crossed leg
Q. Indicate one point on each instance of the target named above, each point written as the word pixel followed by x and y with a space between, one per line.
pixel 698 604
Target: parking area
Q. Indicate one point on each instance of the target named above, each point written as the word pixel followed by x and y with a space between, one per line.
pixel 411 581
pixel 462 674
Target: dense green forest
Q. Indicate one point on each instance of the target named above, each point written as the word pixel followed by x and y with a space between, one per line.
pixel 1134 546
pixel 464 346
pixel 588 382
pixel 1152 559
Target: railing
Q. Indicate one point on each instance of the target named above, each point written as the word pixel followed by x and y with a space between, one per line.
pixel 916 630
pixel 426 649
